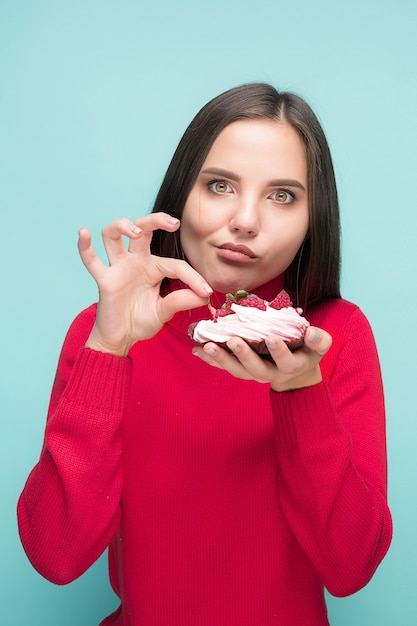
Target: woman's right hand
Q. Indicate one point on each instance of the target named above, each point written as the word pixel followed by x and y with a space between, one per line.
pixel 130 306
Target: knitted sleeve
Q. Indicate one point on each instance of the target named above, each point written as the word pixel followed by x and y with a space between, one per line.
pixel 331 451
pixel 68 511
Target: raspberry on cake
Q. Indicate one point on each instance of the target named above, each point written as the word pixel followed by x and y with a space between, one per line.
pixel 253 319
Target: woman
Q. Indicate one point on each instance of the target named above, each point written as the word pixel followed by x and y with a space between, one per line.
pixel 228 488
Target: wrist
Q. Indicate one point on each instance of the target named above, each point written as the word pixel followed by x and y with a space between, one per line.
pixel 94 343
pixel 307 379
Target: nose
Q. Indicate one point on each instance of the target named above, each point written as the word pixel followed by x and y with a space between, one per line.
pixel 245 219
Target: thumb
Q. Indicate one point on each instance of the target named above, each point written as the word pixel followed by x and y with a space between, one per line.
pixel 181 300
pixel 317 340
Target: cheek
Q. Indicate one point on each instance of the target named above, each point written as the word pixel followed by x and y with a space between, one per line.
pixel 198 219
pixel 289 231
pixel 192 228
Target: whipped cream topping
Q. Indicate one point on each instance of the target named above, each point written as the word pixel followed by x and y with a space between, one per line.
pixel 252 325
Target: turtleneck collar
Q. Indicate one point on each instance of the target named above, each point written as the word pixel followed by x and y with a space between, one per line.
pixel 183 319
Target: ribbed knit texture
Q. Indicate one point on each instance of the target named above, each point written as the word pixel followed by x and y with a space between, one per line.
pixel 223 503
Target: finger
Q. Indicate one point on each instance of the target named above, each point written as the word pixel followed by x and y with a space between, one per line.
pixel 294 370
pixel 289 363
pixel 180 300
pixel 318 340
pixel 148 224
pixel 218 357
pixel 113 237
pixel 207 354
pixel 176 268
pixel 88 256
pixel 241 361
pixel 155 221
pixel 259 368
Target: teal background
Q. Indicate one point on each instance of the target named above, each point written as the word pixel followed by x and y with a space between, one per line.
pixel 93 99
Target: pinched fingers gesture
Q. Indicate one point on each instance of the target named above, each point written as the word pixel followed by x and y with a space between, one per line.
pixel 285 371
pixel 130 307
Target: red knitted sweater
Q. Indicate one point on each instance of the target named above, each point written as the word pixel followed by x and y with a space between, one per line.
pixel 222 503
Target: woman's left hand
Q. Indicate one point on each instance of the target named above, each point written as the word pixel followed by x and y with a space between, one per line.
pixel 286 371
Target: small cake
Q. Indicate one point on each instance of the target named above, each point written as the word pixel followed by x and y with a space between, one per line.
pixel 253 319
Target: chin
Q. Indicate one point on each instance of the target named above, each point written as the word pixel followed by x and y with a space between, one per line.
pixel 233 285
pixel 225 281
pixel 228 279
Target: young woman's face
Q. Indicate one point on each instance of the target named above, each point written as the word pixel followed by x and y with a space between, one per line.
pixel 247 214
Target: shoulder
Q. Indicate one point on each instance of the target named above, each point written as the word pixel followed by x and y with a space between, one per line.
pixel 338 316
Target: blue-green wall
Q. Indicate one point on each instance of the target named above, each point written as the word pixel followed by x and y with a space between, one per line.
pixel 94 96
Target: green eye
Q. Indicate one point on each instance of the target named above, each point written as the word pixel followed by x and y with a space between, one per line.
pixel 219 186
pixel 283 197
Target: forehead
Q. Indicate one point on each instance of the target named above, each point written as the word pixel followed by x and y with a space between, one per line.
pixel 260 144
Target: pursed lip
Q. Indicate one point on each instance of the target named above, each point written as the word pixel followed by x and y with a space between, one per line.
pixel 238 248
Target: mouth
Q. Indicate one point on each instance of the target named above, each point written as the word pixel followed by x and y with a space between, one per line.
pixel 235 252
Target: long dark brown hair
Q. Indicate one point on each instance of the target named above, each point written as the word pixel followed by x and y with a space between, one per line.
pixel 314 274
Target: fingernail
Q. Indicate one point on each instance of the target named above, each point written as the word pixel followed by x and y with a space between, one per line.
pixel 234 347
pixel 197 352
pixel 207 288
pixel 211 351
pixel 172 220
pixel 270 342
pixel 313 335
pixel 135 229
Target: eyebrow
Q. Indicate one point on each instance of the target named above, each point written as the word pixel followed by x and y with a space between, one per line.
pixel 279 182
